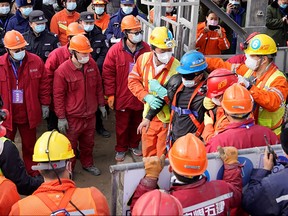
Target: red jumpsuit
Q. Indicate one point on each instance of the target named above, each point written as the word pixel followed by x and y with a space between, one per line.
pixel 242 135
pixel 203 198
pixel 116 68
pixel 77 96
pixel 25 116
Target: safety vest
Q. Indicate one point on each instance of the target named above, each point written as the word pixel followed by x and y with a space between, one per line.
pixel 162 77
pixel 272 120
pixel 2 141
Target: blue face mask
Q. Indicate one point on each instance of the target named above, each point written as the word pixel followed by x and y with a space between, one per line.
pixel 27 11
pixel 71 6
pixel 99 10
pixel 19 55
pixel 4 10
pixel 39 28
pixel 283 6
pixel 127 9
pixel 88 28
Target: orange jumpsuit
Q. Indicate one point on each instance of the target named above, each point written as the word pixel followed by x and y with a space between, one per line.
pixel 52 196
pixel 8 195
pixel 103 22
pixel 153 142
pixel 209 43
pixel 60 22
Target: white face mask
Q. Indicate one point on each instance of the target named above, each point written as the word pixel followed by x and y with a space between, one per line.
pixel 19 55
pixel 88 28
pixel 188 83
pixel 26 11
pixel 99 10
pixel 164 57
pixel 169 9
pixel 83 60
pixel 71 6
pixel 127 9
pixel 4 10
pixel 216 101
pixel 212 22
pixel 49 2
pixel 251 63
pixel 137 38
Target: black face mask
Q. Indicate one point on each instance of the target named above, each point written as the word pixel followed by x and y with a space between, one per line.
pixel 191 76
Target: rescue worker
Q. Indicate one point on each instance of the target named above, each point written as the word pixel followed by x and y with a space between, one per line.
pixel 118 64
pixel 113 32
pixel 100 48
pixel 25 91
pixel 53 152
pixel 266 194
pixel 237 103
pixel 54 60
pixel 40 41
pixel 19 21
pixel 77 93
pixel 157 202
pixel 188 160
pixel 160 65
pixel 102 19
pixel 215 121
pixel 211 37
pixel 61 20
pixel 5 15
pixel 267 85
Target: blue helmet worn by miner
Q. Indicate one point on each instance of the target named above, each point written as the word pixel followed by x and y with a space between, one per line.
pixel 192 62
pixel 21 3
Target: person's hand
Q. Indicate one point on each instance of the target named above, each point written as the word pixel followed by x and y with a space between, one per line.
pixel 45 111
pixel 63 125
pixel 245 82
pixel 229 8
pixel 103 111
pixel 208 103
pixel 219 31
pixel 206 29
pixel 144 124
pixel 155 86
pixel 284 19
pixel 111 101
pixel 229 155
pixel 207 119
pixel 268 160
pixel 154 165
pixel 153 101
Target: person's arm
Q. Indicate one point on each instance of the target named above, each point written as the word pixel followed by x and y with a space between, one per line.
pixel 45 86
pixel 223 44
pixel 102 55
pixel 99 86
pixel 109 31
pixel 54 25
pixel 109 73
pixel 59 91
pixel 100 202
pixel 273 22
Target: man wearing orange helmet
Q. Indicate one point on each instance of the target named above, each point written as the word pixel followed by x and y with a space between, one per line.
pixel 156 66
pixel 101 17
pixel 188 160
pixel 237 103
pixel 54 60
pixel 118 64
pixel 77 91
pixel 25 90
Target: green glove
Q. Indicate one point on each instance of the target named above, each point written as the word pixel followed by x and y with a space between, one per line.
pixel 208 103
pixel 207 119
pixel 155 86
pixel 153 101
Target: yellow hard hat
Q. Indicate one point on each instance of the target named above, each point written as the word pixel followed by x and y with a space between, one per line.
pixel 162 38
pixel 55 144
pixel 261 44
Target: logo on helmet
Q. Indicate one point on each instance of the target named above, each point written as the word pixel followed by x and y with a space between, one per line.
pixel 255 44
pixel 69 147
pixel 222 84
pixel 192 167
pixel 17 39
pixel 197 63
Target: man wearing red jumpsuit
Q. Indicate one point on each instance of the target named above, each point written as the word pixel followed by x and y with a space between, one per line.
pixel 24 87
pixel 188 160
pixel 116 68
pixel 77 91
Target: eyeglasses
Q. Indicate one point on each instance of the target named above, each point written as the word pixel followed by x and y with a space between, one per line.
pixel 136 33
pixel 18 50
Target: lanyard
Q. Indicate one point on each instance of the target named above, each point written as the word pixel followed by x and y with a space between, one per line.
pixel 15 72
pixel 247 125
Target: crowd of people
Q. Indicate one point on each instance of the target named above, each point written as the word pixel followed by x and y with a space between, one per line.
pixel 69 66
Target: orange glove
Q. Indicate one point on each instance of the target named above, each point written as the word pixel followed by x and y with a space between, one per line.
pixel 111 101
pixel 229 155
pixel 154 165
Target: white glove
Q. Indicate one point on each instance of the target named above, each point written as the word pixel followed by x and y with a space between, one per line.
pixel 45 111
pixel 103 111
pixel 63 125
pixel 244 81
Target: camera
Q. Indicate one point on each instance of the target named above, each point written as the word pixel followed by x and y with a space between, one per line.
pixel 212 27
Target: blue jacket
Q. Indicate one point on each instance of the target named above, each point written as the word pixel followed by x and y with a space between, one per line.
pixel 114 26
pixel 266 194
pixel 18 23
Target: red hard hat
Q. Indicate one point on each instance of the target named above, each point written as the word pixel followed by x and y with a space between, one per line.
pixel 157 202
pixel 218 81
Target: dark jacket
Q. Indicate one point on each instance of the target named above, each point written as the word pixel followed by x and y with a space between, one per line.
pixel 3 25
pixel 13 168
pixel 276 28
pixel 266 194
pixel 42 45
pixel 18 23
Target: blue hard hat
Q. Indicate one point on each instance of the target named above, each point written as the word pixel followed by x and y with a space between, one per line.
pixel 192 62
pixel 127 2
pixel 21 3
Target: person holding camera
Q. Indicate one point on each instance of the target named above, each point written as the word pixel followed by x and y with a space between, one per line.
pixel 211 37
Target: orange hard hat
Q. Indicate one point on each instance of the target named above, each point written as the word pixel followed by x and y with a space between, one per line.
pixel 157 202
pixel 14 40
pixel 218 81
pixel 237 100
pixel 188 156
pixel 80 43
pixel 74 28
pixel 130 22
pixel 99 2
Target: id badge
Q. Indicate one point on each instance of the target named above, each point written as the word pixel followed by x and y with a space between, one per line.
pixel 17 96
pixel 131 65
